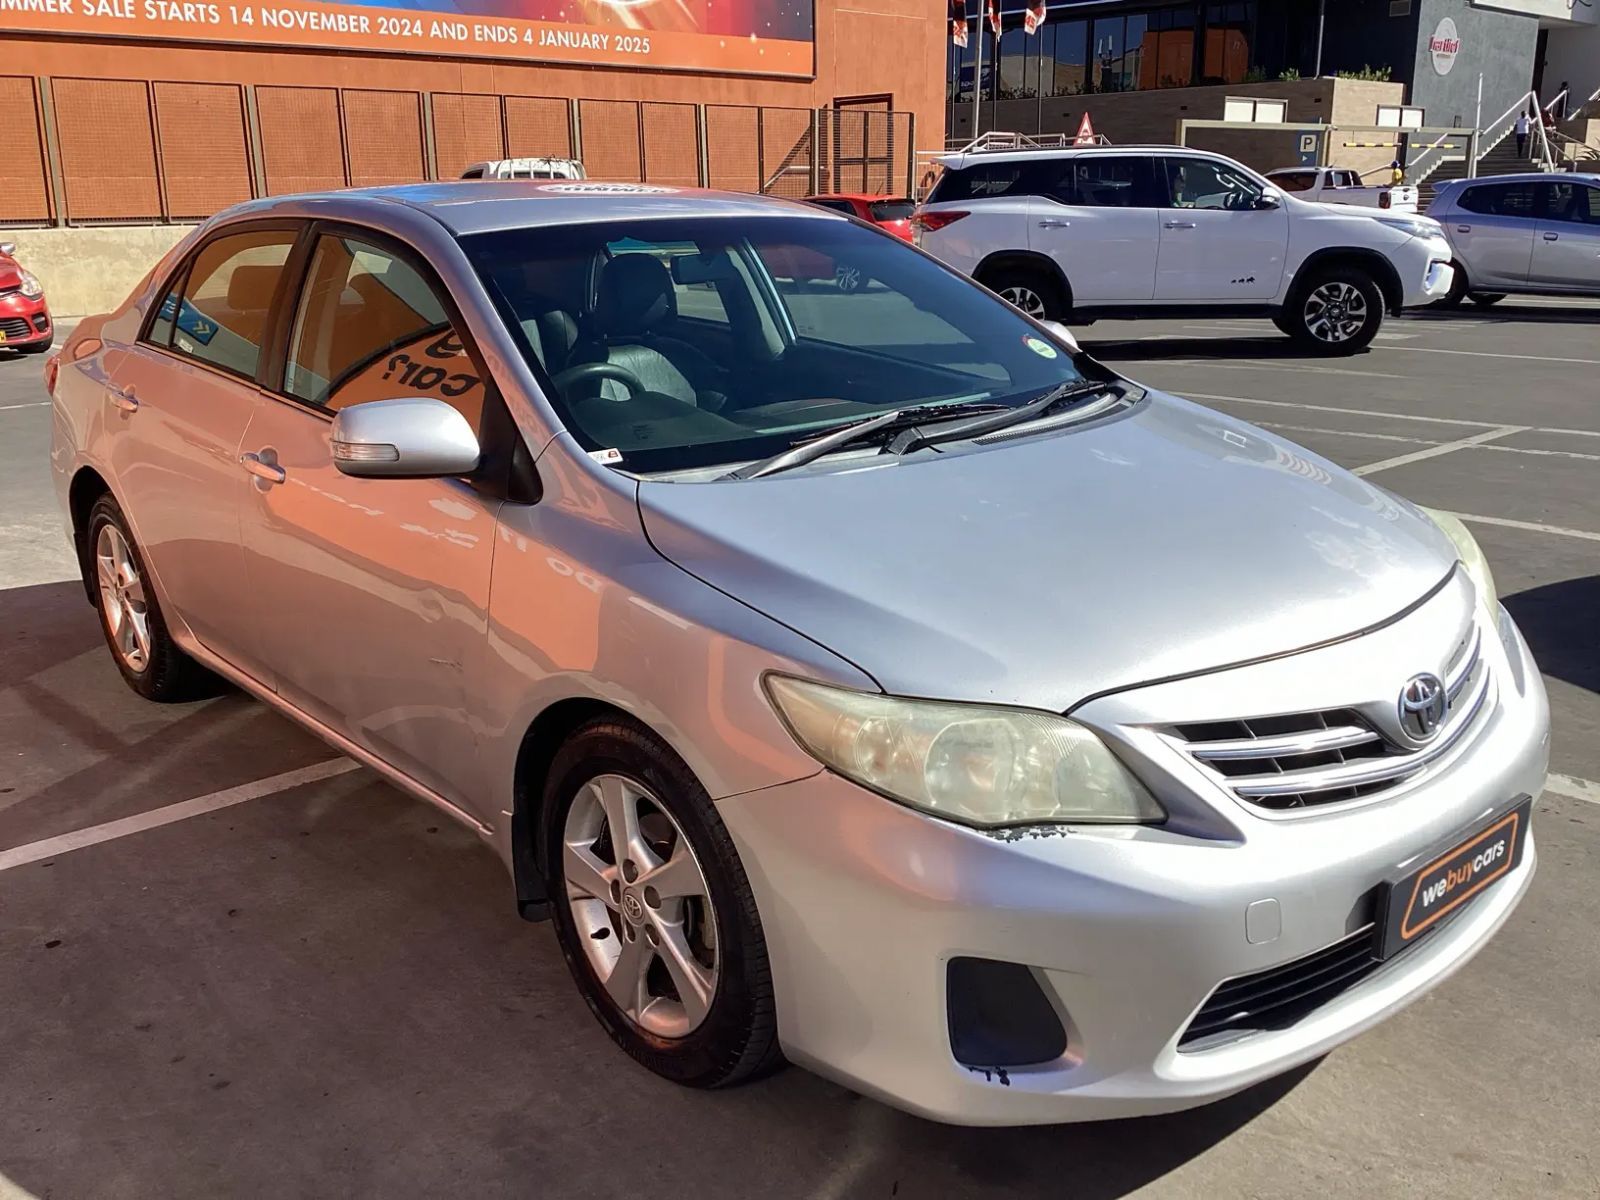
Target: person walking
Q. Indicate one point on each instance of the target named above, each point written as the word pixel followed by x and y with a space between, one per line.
pixel 1522 127
pixel 1397 173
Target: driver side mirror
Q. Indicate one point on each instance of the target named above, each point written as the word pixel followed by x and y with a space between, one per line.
pixel 1270 199
pixel 8 248
pixel 417 437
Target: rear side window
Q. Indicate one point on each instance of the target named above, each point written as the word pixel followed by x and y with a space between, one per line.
pixel 1499 199
pixel 843 206
pixel 1105 181
pixel 983 181
pixel 892 210
pixel 1294 181
pixel 370 326
pixel 1572 202
pixel 221 315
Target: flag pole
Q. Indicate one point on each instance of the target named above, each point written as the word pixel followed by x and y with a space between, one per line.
pixel 977 76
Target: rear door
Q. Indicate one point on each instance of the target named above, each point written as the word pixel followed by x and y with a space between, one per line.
pixel 1218 241
pixel 1096 216
pixel 1566 248
pixel 1492 232
pixel 185 394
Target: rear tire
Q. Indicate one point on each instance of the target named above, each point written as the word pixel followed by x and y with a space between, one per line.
pixel 700 928
pixel 1486 299
pixel 1337 311
pixel 1031 290
pixel 130 617
pixel 1457 292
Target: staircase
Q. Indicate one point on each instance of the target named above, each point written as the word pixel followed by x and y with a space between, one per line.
pixel 1502 159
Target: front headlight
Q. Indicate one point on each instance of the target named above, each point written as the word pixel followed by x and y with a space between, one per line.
pixel 31 287
pixel 1471 556
pixel 977 765
pixel 1415 226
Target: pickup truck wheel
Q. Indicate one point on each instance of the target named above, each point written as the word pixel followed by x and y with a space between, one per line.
pixel 1336 311
pixel 1486 299
pixel 1031 290
pixel 653 910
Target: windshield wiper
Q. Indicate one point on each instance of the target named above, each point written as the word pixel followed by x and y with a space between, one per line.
pixel 843 435
pixel 916 438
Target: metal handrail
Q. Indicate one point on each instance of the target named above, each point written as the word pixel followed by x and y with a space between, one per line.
pixel 1415 165
pixel 997 140
pixel 1522 103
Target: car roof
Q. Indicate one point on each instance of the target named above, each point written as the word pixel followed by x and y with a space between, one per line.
pixel 481 206
pixel 958 159
pixel 1525 177
pixel 870 197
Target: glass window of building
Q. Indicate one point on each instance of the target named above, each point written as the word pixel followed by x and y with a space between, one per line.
pixel 1071 57
pixel 1227 42
pixel 1174 45
pixel 1015 83
pixel 1107 65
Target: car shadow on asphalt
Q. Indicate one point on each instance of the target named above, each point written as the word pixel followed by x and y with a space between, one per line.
pixel 1510 314
pixel 1558 621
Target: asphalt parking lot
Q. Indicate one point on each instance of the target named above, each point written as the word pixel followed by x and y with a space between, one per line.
pixel 315 986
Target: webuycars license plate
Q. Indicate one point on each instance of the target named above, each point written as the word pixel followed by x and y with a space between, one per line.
pixel 1420 900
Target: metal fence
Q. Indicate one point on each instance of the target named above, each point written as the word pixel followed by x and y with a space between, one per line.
pixel 133 151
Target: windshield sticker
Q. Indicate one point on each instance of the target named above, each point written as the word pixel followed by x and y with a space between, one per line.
pixel 1042 348
pixel 608 189
pixel 606 457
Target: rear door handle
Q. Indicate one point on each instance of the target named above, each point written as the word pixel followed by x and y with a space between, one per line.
pixel 1178 225
pixel 1550 237
pixel 1053 223
pixel 1463 228
pixel 261 468
pixel 124 399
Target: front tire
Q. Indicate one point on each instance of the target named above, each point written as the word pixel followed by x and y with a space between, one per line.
pixel 1031 290
pixel 1486 299
pixel 130 617
pixel 653 910
pixel 35 347
pixel 1337 311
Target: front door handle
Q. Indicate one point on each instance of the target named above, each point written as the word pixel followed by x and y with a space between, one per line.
pixel 261 468
pixel 1053 223
pixel 1463 228
pixel 1178 225
pixel 1550 237
pixel 124 399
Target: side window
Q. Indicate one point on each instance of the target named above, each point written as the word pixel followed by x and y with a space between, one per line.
pixel 1294 181
pixel 1499 199
pixel 222 314
pixel 694 279
pixel 371 327
pixel 1105 181
pixel 1572 202
pixel 1207 183
pixel 983 181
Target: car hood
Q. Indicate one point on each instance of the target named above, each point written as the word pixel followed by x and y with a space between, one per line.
pixel 1167 541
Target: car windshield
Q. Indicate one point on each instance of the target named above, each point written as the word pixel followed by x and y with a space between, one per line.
pixel 694 342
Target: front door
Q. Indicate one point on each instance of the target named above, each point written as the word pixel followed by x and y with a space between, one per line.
pixel 370 595
pixel 188 388
pixel 1095 216
pixel 1493 233
pixel 1219 240
pixel 1566 245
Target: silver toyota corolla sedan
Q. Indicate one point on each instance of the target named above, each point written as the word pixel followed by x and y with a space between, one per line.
pixel 867 678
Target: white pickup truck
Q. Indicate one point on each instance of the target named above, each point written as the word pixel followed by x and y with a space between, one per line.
pixel 1338 185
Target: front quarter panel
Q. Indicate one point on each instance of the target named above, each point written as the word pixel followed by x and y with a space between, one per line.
pixel 583 607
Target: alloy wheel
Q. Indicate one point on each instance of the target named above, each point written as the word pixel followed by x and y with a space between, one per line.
pixel 122 598
pixel 1335 311
pixel 640 905
pixel 1025 298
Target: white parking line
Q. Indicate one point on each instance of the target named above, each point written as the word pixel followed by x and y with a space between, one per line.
pixel 1573 788
pixel 30 404
pixel 1477 439
pixel 1588 362
pixel 1389 416
pixel 1381 437
pixel 1531 526
pixel 65 843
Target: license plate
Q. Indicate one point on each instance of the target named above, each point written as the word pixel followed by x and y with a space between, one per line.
pixel 1418 901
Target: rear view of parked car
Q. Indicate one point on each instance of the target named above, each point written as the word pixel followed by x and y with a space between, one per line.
pixel 24 316
pixel 1340 185
pixel 1528 234
pixel 864 679
pixel 1106 231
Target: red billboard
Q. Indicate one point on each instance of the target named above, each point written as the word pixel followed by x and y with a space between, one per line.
pixel 756 37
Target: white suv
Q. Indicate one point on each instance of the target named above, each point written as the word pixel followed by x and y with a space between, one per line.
pixel 1157 230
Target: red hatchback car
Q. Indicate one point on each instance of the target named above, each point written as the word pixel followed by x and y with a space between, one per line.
pixel 24 318
pixel 891 213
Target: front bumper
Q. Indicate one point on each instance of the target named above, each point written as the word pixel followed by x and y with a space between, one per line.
pixel 1437 277
pixel 1127 930
pixel 23 321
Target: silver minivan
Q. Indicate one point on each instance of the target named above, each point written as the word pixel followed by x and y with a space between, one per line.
pixel 866 679
pixel 1533 233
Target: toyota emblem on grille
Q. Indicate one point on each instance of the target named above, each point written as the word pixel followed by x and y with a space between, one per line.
pixel 1422 706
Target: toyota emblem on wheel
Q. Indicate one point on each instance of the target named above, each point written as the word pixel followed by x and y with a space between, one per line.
pixel 1422 706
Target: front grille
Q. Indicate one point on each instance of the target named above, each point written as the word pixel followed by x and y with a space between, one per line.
pixel 1309 759
pixel 1279 997
pixel 15 327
